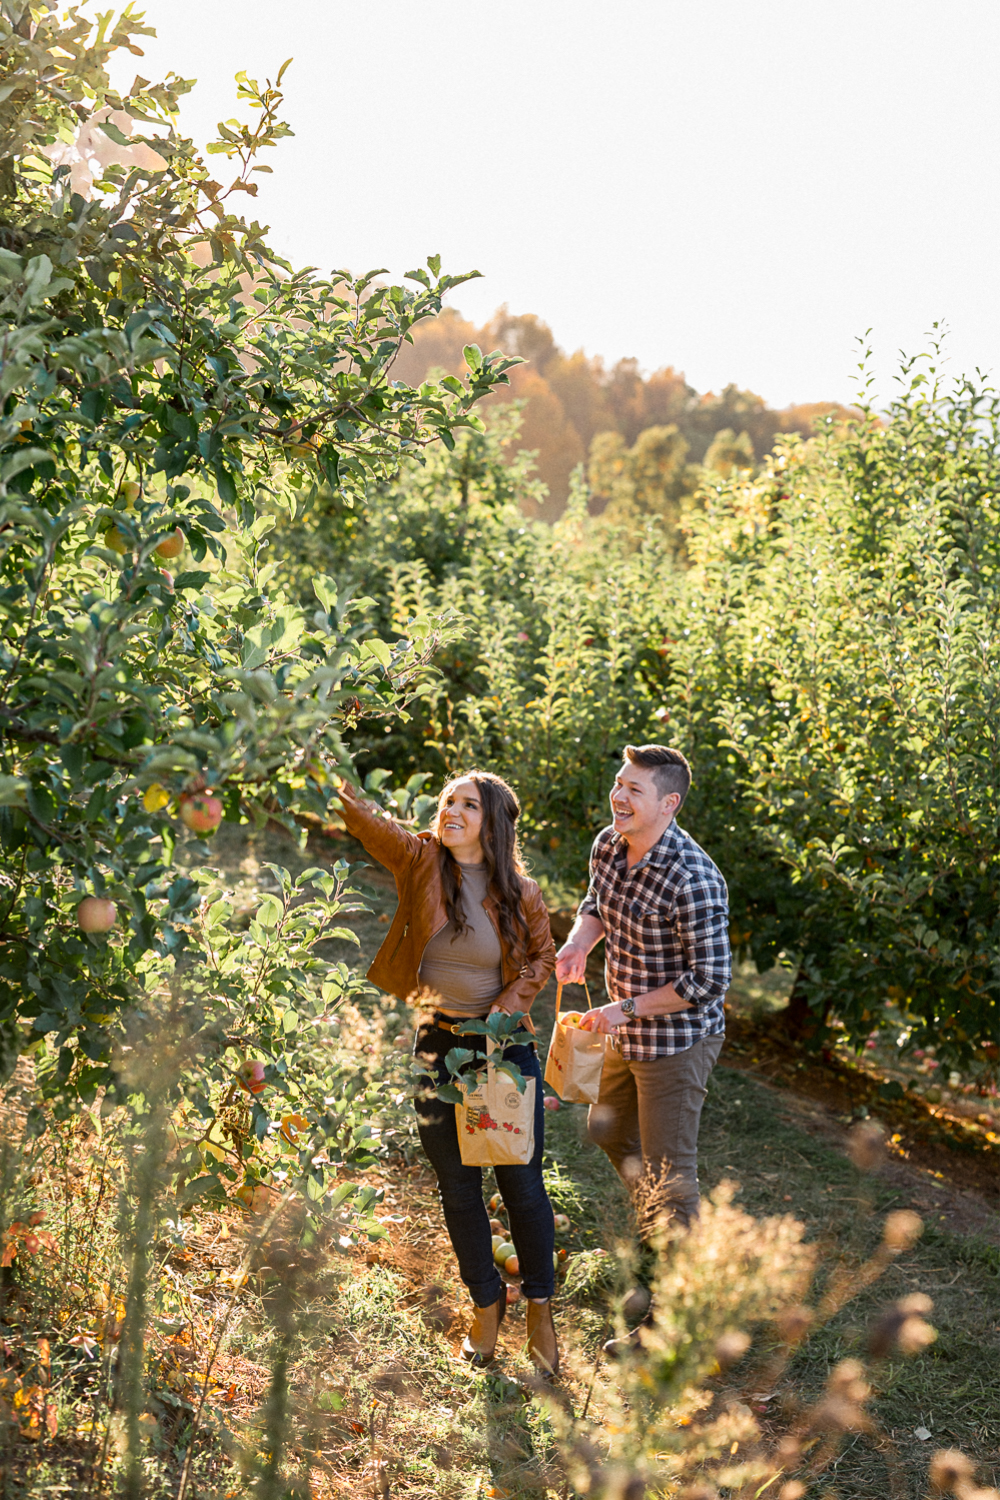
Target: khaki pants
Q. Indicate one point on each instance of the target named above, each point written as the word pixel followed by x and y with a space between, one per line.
pixel 646 1119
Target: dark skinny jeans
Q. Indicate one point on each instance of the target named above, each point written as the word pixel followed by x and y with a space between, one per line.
pixel 529 1211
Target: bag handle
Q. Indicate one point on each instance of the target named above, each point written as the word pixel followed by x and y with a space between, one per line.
pixel 559 990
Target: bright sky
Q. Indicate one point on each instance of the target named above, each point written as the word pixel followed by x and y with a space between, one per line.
pixel 739 190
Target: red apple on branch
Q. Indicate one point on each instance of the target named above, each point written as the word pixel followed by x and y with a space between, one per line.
pixel 200 812
pixel 172 544
pixel 95 914
pixel 251 1076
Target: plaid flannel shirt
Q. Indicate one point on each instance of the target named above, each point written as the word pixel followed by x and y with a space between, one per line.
pixel 665 921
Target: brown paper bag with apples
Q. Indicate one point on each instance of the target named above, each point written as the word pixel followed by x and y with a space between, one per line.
pixel 576 1058
pixel 496 1123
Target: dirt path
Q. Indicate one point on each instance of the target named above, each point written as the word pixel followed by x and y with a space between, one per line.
pixel 924 1187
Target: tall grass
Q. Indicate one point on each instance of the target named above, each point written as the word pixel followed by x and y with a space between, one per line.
pixel 119 1365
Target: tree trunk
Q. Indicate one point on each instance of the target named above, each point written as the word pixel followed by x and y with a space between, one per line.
pixel 798 1019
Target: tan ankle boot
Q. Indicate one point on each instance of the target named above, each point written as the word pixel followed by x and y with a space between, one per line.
pixel 543 1350
pixel 480 1343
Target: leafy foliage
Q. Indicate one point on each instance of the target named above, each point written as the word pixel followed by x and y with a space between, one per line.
pixel 827 660
pixel 843 614
pixel 168 387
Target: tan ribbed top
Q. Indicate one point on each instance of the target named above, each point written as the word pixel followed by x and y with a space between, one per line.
pixel 463 971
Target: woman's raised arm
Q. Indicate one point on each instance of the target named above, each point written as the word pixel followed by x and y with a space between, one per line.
pixel 384 839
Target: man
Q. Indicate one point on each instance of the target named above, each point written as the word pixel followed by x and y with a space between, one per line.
pixel 662 907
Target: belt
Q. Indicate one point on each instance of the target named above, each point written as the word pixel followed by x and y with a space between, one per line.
pixel 440 1023
pixel 456 1027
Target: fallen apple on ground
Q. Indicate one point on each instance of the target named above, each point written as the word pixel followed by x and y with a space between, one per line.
pixel 496 1228
pixel 96 914
pixel 551 1102
pixel 503 1253
pixel 513 1292
pixel 495 1202
pixel 256 1197
pixel 562 1223
pixel 512 1266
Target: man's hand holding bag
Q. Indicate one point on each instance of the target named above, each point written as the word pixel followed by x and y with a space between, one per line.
pixel 576 1058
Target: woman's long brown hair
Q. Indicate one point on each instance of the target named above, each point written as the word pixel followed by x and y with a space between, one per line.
pixel 501 855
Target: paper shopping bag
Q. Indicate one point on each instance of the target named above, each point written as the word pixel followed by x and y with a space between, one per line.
pixel 576 1058
pixel 496 1123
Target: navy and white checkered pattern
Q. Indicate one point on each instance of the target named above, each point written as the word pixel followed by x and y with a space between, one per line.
pixel 665 921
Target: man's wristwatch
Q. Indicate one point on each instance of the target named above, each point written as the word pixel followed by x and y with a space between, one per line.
pixel 628 1007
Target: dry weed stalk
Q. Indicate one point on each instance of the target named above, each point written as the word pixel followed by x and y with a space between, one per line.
pixel 675 1429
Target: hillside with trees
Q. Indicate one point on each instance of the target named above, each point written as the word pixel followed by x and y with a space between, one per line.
pixel 575 411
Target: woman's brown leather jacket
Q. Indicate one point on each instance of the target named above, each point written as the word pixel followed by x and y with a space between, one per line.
pixel 413 860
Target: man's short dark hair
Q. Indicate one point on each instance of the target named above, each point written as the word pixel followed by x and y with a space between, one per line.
pixel 671 771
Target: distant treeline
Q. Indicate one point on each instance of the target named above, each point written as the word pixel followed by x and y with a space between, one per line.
pixel 574 406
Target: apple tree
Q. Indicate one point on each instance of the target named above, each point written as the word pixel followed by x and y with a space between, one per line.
pixel 835 669
pixel 168 388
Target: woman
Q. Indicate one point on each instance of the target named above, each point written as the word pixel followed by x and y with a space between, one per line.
pixel 470 937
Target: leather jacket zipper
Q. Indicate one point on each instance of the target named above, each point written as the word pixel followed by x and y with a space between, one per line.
pixel 429 941
pixel 399 941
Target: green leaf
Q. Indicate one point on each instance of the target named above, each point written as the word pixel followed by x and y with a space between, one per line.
pixel 13 791
pixel 269 912
pixel 513 1072
pixel 341 1194
pixel 202 1187
pixel 325 589
pixel 24 458
pixel 118 136
pixel 377 648
pixel 191 580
